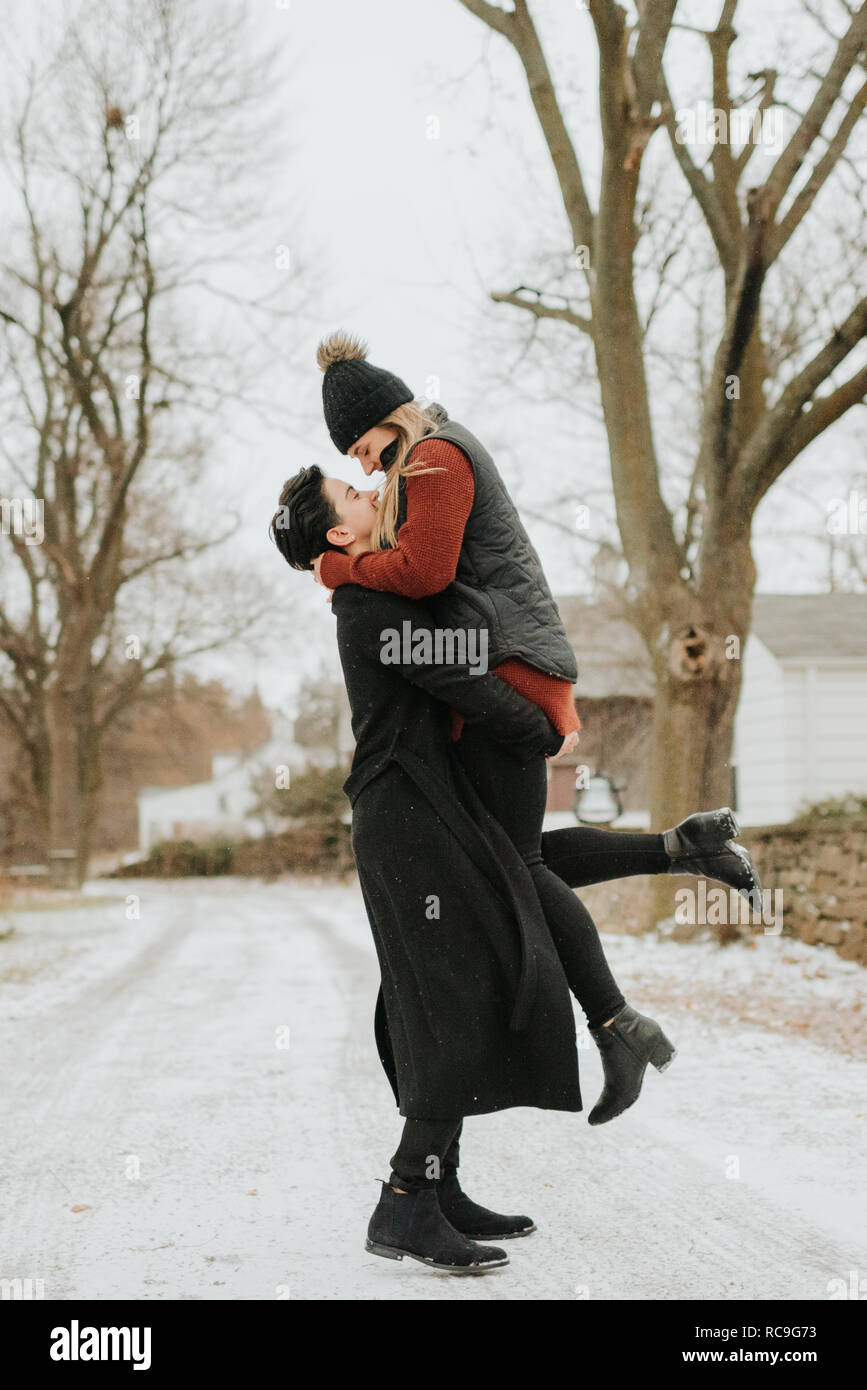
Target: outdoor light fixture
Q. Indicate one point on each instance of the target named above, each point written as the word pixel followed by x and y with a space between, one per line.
pixel 599 802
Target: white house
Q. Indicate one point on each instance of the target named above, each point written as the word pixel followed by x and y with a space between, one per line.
pixel 800 725
pixel 800 728
pixel 224 804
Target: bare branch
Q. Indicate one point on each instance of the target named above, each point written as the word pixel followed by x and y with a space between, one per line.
pixel 653 31
pixel 766 102
pixel 725 173
pixel 702 189
pixel 607 21
pixel 822 171
pixel 759 464
pixel 520 30
pixel 719 446
pixel 790 160
pixel 542 311
pixel 495 18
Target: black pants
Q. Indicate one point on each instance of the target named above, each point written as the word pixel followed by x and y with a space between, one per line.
pixel 427 1150
pixel 516 792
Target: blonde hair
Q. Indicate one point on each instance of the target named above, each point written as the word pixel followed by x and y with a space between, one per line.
pixel 412 422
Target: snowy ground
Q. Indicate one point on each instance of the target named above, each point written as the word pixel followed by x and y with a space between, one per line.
pixel 161 1140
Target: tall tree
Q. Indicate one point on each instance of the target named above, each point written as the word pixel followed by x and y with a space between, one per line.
pixel 131 313
pixel 691 568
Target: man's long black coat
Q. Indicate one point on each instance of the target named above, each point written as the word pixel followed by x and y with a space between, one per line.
pixel 474 1012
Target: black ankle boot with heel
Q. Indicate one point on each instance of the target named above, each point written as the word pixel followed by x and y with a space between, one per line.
pixel 411 1223
pixel 628 1045
pixel 702 845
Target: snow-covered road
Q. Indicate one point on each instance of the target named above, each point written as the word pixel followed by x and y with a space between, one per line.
pixel 162 1140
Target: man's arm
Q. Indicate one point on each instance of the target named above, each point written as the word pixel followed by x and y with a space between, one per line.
pixel 425 558
pixel 481 698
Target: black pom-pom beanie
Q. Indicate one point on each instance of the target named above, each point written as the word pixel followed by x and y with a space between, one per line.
pixel 355 394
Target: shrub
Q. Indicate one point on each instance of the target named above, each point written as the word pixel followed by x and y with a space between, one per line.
pixel 321 848
pixel 834 808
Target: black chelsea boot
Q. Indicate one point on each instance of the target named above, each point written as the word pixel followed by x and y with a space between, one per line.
pixel 473 1221
pixel 411 1223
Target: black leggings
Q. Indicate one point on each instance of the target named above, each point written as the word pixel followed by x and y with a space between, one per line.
pixel 583 854
pixel 516 793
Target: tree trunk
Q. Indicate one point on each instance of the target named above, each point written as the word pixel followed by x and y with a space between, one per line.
pixel 698 671
pixel 691 742
pixel 63 795
pixel 74 778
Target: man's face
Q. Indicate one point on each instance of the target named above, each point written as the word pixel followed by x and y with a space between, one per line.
pixel 357 512
pixel 368 448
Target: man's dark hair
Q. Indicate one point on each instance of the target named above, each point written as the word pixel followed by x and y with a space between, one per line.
pixel 304 515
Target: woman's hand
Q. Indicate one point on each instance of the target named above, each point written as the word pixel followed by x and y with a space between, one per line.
pixel 570 742
pixel 317 567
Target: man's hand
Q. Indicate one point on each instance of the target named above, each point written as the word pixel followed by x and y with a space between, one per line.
pixel 570 742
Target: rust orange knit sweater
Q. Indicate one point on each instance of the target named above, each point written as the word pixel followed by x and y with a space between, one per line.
pixel 425 560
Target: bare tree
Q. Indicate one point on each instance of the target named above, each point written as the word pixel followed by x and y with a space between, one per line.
pixel 771 390
pixel 130 320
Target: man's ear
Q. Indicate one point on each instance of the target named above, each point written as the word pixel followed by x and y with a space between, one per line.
pixel 340 535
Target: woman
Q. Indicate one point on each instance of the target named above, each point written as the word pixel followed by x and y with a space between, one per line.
pixel 447 531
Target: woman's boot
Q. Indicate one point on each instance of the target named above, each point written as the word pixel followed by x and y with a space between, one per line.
pixel 473 1221
pixel 702 845
pixel 627 1045
pixel 411 1223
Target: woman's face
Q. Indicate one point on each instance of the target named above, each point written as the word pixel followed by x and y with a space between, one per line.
pixel 368 448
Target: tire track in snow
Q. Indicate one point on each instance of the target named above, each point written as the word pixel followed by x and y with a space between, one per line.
pixel 172 1055
pixel 641 1207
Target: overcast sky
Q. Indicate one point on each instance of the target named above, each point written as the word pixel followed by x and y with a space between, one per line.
pixel 407 235
pixel 412 233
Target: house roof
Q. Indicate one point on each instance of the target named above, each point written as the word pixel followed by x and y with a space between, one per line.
pixel 812 627
pixel 612 659
pixel 279 748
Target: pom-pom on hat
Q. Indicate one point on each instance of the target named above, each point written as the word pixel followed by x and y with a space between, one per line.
pixel 355 394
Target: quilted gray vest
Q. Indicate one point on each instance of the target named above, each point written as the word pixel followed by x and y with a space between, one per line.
pixel 499 581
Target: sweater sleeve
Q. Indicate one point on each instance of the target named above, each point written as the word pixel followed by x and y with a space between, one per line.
pixel 481 698
pixel 425 558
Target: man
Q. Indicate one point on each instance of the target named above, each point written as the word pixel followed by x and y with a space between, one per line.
pixel 317 513
pixel 474 1013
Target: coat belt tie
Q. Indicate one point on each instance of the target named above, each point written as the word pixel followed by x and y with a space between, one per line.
pixel 494 854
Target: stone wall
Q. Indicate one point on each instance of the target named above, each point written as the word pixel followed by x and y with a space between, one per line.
pixel 821 867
